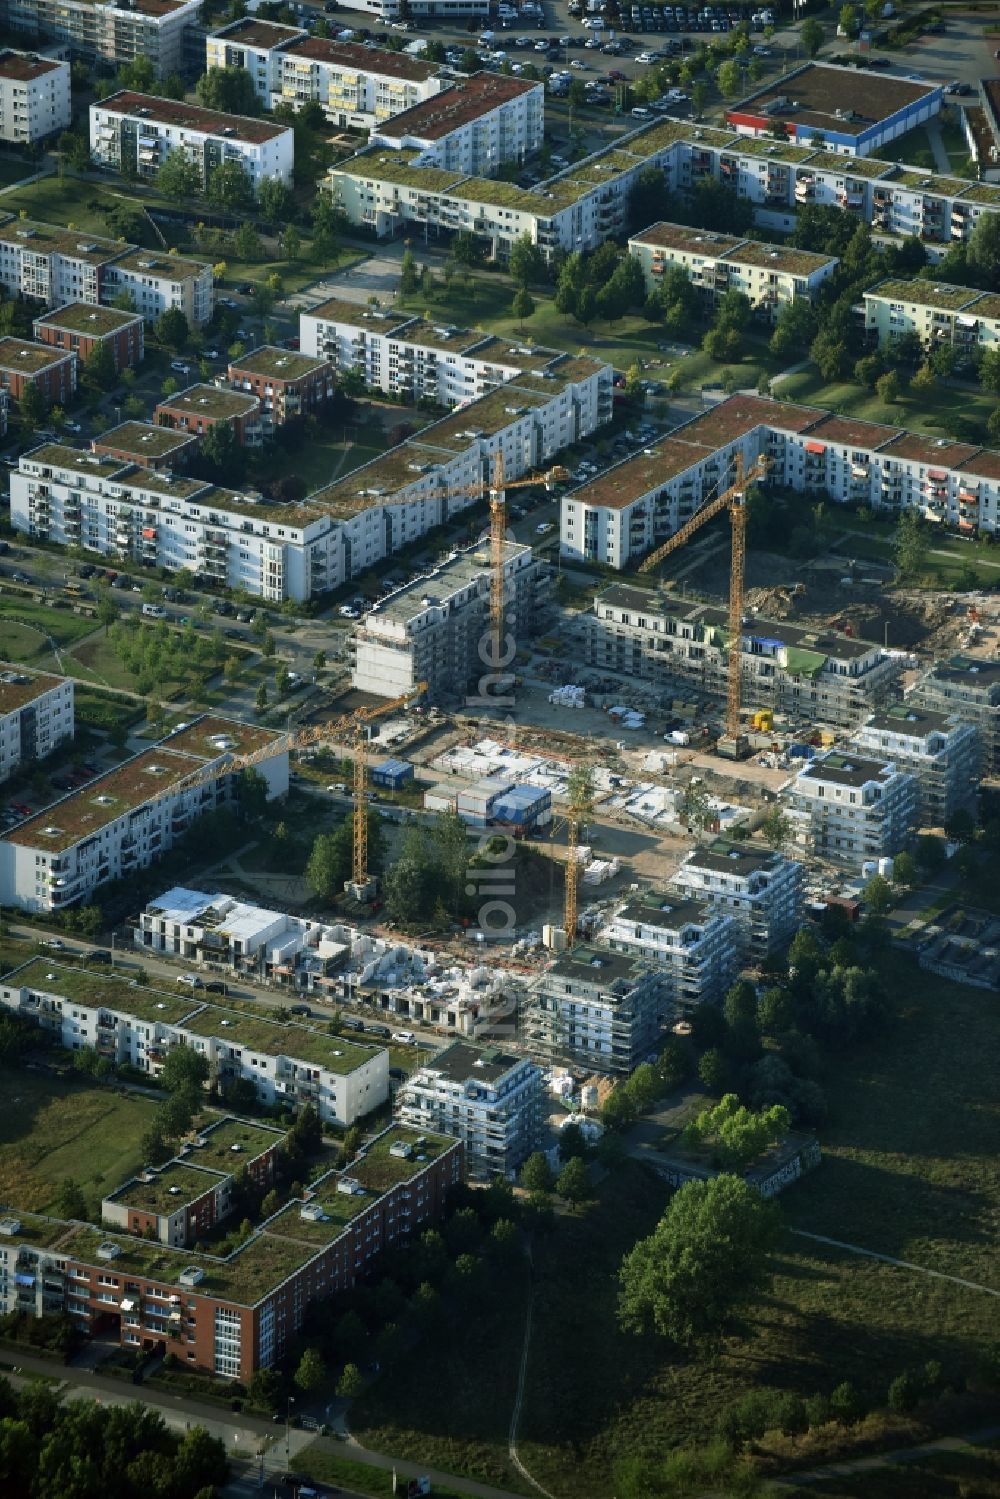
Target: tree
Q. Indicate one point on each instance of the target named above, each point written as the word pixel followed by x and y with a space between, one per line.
pixel 846 1405
pixel 812 36
pixel 252 792
pixel 878 895
pixel 523 305
pixel 230 90
pixel 888 387
pixel 903 1394
pixel 70 1201
pixel 706 1258
pixel 574 1182
pixel 408 279
pixel 983 249
pixel 310 1376
pixel 291 243
pixel 32 407
pixel 275 200
pixel 526 262
pixel 328 866
pixel 261 701
pixel 172 328
pixel 99 373
pixel 222 453
pixel 247 243
pixel 537 1174
pixel 699 96
pixel 735 1134
pixel 910 545
pixel 178 178
pixel 230 187
pixel 904 869
pixel 848 19
pixel 794 330
pixel 776 829
pixel 924 380
pixel 350 1384
pixel 184 1070
pixel 730 79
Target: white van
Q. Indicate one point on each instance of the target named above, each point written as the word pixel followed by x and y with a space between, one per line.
pixel 640 113
pixel 403 1038
pixel 154 611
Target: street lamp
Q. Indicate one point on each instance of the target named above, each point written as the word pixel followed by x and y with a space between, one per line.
pixel 288 1421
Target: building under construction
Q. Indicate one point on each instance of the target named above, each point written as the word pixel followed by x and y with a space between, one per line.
pixel 968 686
pixel 757 886
pixel 940 750
pixel 595 1008
pixel 818 676
pixel 437 629
pixel 694 946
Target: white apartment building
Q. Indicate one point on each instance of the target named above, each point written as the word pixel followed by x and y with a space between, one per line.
pixel 358 87
pixel 941 751
pixel 34 97
pixel 850 809
pixel 36 716
pixel 126 818
pixel 434 629
pixel 154 283
pixel 490 1100
pixel 136 133
pixel 694 946
pixel 595 1008
pixel 758 887
pixel 109 31
pixel 622 514
pixel 809 675
pixel 477 126
pixel 135 1024
pixel 936 312
pixel 967 687
pixel 455 11
pixel 770 275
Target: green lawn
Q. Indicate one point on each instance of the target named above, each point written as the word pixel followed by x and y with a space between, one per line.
pixel 28 631
pixel 98 661
pixel 916 411
pixel 14 169
pixel 323 1466
pixel 914 148
pixel 328 457
pixel 51 1129
pixel 974 1471
pixel 81 205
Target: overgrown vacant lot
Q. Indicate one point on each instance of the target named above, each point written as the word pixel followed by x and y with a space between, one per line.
pixel 910 1170
pixel 51 1129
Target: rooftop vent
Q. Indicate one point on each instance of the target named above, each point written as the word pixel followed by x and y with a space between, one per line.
pixel 9 1227
pixel 312 1212
pixel 349 1186
pixel 108 1250
pixel 174 1191
pixel 191 1276
pixel 402 1149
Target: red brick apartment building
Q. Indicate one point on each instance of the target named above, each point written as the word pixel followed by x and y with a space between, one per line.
pixel 286 383
pixel 23 363
pixel 201 406
pixel 149 446
pixel 80 327
pixel 235 1315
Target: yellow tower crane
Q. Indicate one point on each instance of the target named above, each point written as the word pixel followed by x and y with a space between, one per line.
pixel 581 801
pixel 734 743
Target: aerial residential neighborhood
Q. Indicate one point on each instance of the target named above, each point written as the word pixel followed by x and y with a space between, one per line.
pixel 499 737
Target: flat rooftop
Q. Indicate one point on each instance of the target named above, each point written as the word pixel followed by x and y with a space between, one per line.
pixel 833 98
pixel 936 452
pixel 107 991
pixel 272 1039
pixel 382 479
pixel 51 239
pixel 466 100
pixel 172 1187
pixel 18 687
pixel 599 966
pixel 667 911
pixel 906 718
pixel 352 55
pixel 277 364
pixel 450 578
pixel 174 268
pixel 975 671
pixel 184 116
pixel 462 1063
pixel 210 401
pixel 688 241
pixel 265 35
pixel 231 1143
pixel 635 477
pixel 383 164
pixel 85 318
pixel 845 769
pixel 738 415
pixel 779 258
pixel 379 1169
pixel 382 320
pixel 20 356
pixel 142 441
pixel 23 67
pixel 853 432
pixel 211 736
pixel 740 859
pixel 920 293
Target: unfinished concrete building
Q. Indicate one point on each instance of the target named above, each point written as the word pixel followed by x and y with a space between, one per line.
pixel 694 946
pixel 813 675
pixel 595 1008
pixel 941 751
pixel 436 629
pixel 849 809
pixel 757 886
pixel 491 1101
pixel 968 686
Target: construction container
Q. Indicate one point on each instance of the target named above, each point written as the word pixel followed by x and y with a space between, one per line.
pixel 391 774
pixel 440 799
pixel 475 805
pixel 523 806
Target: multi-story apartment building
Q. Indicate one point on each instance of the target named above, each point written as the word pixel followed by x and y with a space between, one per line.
pixel 135 134
pixel 770 275
pixel 51 371
pixel 108 31
pixel 230 1316
pixel 624 512
pixel 491 1101
pixel 142 443
pixel 694 947
pixel 154 283
pixel 822 104
pixel 286 384
pixel 417 360
pixel 357 86
pixel 126 818
pixel 810 675
pixel 201 407
pixel 936 312
pixel 63 267
pixel 34 97
pixel 434 629
pixel 80 328
pixel 969 688
pixel 941 751
pixel 130 1023
pixel 475 127
pixel 758 887
pixel 595 1008
pixel 36 716
pixel 850 809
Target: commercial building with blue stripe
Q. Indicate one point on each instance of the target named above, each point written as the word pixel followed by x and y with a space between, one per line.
pixel 853 112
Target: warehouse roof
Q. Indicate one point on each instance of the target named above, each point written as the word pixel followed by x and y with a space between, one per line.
pixel 833 98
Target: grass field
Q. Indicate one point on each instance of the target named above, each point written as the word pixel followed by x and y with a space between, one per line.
pixel 27 630
pixel 914 410
pixel 949 560
pixel 910 1170
pixel 970 1474
pixel 327 1467
pixel 52 1129
pixel 13 169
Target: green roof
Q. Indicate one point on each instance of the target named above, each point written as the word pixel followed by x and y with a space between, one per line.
pixel 218 1154
pixel 172 1188
pixel 270 1038
pixel 88 319
pixel 381 164
pixel 378 1169
pixel 804 663
pixel 273 362
pixel 34 1229
pixel 101 990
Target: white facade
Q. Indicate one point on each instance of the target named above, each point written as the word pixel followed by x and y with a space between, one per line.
pixel 848 809
pixel 597 1009
pixel 490 1101
pixel 477 126
pixel 937 313
pixel 967 687
pixel 137 1025
pixel 34 97
pixel 219 931
pixel 760 889
pixel 155 283
pixel 136 133
pixel 125 819
pixel 941 751
pixel 36 716
pixel 108 31
pixel 694 947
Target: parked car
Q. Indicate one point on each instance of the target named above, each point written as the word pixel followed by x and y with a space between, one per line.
pixel 216 986
pixel 98 955
pixel 179 367
pixel 299 1010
